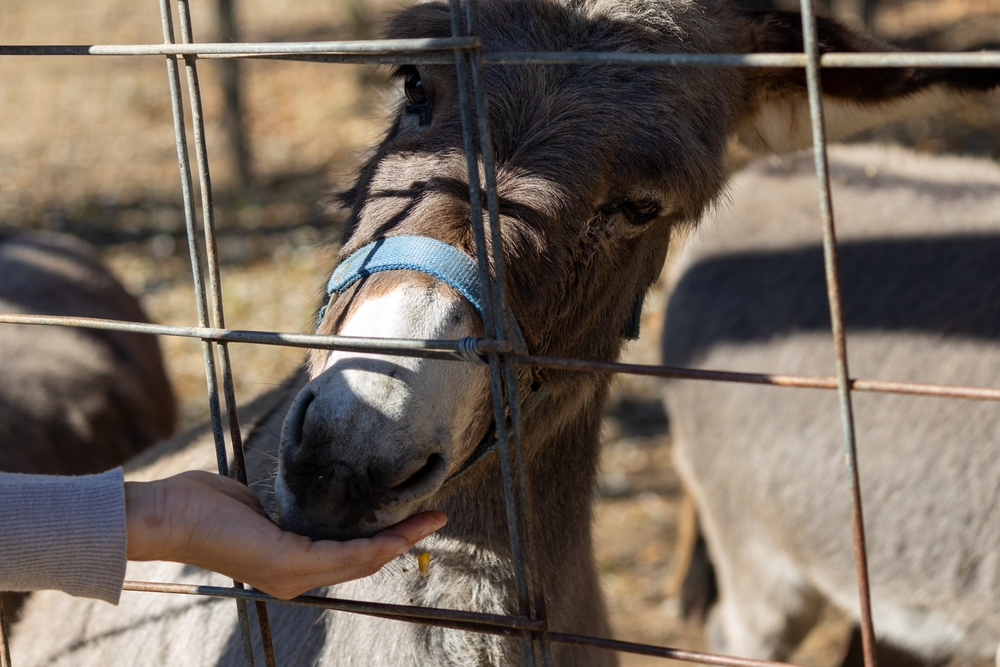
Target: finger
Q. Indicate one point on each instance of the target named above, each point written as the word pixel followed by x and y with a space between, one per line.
pixel 358 561
pixel 389 544
pixel 310 565
pixel 327 563
pixel 417 527
pixel 230 487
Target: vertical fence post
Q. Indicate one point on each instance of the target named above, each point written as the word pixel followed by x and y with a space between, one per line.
pixel 231 82
pixel 486 288
pixel 4 638
pixel 215 286
pixel 811 49
pixel 180 138
pixel 517 495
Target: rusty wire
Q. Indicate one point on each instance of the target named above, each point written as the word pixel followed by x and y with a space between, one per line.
pixel 464 50
pixel 218 317
pixel 449 350
pixel 466 70
pixel 831 271
pixel 495 624
pixel 4 634
pixel 517 494
pixel 190 220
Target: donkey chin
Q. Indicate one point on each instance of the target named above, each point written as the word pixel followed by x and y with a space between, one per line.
pixel 317 514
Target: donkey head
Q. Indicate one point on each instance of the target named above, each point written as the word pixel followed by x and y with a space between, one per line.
pixel 596 166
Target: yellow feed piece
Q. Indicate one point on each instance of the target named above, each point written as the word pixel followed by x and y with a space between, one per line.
pixel 424 563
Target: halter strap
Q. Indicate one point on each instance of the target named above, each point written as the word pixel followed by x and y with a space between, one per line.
pixel 454 267
pixel 424 254
pixel 450 265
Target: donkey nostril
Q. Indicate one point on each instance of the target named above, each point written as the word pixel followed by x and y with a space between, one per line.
pixel 291 429
pixel 435 463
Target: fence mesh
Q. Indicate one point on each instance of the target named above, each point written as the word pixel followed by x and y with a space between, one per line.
pixel 463 49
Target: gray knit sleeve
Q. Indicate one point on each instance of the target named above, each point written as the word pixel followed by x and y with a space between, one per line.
pixel 66 533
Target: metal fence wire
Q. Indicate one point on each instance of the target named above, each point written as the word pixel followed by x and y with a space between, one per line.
pixel 463 49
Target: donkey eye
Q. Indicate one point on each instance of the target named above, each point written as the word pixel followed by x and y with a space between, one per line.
pixel 413 88
pixel 635 212
pixel 643 211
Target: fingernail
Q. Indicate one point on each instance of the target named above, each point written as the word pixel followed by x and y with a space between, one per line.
pixel 437 525
pixel 402 550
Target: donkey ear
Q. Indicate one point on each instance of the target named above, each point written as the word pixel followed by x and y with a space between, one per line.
pixel 776 118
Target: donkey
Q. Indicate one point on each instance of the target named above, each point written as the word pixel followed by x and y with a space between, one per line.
pixel 918 242
pixel 94 398
pixel 73 401
pixel 597 166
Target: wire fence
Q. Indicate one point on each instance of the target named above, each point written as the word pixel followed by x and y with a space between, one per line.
pixel 464 50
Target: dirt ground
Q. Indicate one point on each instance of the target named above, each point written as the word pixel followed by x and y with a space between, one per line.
pixel 87 147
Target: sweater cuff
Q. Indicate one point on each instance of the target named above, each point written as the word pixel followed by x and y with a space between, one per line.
pixel 64 533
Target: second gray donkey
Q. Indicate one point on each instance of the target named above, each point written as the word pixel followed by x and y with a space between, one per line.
pixel 597 167
pixel 919 248
pixel 73 401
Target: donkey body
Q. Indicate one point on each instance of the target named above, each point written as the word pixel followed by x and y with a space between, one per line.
pixel 73 401
pixel 596 167
pixel 918 241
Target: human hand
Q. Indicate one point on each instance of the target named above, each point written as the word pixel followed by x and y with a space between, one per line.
pixel 216 523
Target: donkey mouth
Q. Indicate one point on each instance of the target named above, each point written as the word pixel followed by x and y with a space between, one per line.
pixel 321 519
pixel 345 498
pixel 429 475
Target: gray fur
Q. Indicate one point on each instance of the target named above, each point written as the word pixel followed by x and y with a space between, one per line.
pixel 73 401
pixel 919 241
pixel 581 152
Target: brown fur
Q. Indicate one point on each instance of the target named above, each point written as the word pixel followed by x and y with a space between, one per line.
pixel 580 150
pixel 73 401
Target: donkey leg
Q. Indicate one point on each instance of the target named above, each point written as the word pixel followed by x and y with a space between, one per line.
pixel 888 654
pixel 766 607
pixel 694 581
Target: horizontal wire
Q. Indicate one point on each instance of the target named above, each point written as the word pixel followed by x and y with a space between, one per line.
pixel 402 347
pixel 451 350
pixel 451 618
pixel 246 49
pixel 473 621
pixel 423 50
pixel 911 59
pixel 427 58
pixel 800 381
pixel 837 60
pixel 661 651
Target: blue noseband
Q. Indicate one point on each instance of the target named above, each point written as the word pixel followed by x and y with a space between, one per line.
pixel 454 267
pixel 448 264
pixel 418 253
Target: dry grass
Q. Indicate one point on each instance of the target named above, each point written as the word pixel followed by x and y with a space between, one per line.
pixel 87 146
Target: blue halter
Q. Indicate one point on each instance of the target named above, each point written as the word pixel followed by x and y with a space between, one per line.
pixel 424 254
pixel 454 267
pixel 444 262
pixel 448 264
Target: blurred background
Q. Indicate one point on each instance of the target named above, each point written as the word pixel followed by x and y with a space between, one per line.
pixel 87 147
